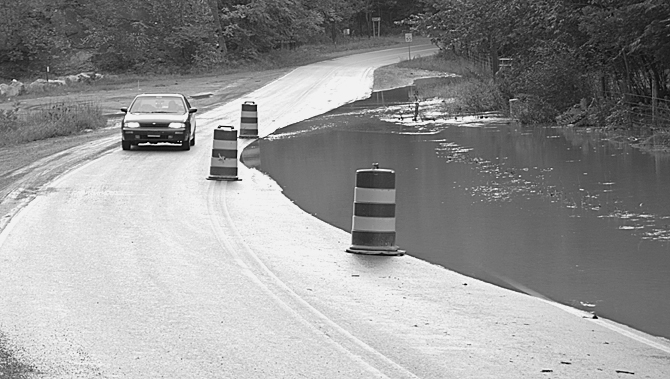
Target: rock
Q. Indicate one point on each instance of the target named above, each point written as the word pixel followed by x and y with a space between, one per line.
pixel 71 79
pixel 15 88
pixel 89 76
pixel 571 116
pixel 37 86
pixel 41 85
pixel 84 77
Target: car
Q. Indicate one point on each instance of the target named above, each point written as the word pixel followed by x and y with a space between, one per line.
pixel 158 118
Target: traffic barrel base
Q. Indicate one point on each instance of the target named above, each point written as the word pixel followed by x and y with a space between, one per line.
pixel 249 120
pixel 373 223
pixel 224 154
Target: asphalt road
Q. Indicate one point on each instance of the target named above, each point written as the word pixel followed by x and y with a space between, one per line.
pixel 132 265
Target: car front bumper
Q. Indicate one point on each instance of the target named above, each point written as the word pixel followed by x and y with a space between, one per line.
pixel 155 135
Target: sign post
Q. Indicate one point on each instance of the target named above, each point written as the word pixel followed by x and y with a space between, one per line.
pixel 408 39
pixel 376 20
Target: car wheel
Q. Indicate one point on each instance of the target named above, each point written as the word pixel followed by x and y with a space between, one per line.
pixel 125 145
pixel 193 141
pixel 186 145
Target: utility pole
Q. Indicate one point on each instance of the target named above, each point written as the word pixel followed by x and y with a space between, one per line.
pixel 408 39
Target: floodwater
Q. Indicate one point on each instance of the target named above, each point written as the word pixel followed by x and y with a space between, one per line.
pixel 554 212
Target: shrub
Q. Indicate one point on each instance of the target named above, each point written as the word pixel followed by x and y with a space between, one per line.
pixel 553 77
pixel 470 89
pixel 9 119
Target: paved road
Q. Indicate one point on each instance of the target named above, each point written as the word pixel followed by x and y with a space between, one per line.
pixel 135 266
pixel 132 265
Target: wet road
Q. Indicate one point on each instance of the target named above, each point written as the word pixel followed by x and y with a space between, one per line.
pixel 125 267
pixel 556 213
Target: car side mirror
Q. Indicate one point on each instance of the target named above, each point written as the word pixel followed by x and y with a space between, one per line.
pixel 192 110
pixel 124 110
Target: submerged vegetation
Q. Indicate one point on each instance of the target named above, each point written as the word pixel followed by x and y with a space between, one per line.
pixel 471 89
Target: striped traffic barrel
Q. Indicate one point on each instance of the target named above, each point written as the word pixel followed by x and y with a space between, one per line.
pixel 249 120
pixel 373 223
pixel 224 154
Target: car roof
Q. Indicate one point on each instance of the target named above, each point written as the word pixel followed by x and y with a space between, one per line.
pixel 160 95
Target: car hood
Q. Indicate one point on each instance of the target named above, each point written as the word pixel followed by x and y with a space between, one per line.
pixel 155 117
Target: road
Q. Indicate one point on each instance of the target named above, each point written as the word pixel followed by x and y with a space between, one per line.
pixel 133 265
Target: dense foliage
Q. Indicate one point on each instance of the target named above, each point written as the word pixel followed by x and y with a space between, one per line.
pixel 143 35
pixel 613 53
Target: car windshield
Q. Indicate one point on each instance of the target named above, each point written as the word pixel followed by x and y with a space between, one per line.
pixel 158 104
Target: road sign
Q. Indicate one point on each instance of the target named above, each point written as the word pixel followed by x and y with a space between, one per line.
pixel 376 19
pixel 408 37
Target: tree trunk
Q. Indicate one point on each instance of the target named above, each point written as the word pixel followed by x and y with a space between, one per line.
pixel 493 55
pixel 220 39
pixel 627 89
pixel 654 97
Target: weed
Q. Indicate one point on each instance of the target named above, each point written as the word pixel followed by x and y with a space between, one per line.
pixel 9 118
pixel 50 120
pixel 471 90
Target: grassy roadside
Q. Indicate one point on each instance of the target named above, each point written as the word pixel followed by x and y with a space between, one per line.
pixel 468 88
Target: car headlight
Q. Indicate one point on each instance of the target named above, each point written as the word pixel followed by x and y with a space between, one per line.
pixel 132 124
pixel 176 125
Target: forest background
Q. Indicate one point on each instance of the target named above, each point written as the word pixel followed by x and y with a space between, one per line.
pixel 610 56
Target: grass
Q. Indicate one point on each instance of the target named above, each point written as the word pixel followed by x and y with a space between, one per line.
pixel 51 120
pixel 471 88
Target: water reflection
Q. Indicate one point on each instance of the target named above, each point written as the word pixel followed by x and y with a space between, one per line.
pixel 565 213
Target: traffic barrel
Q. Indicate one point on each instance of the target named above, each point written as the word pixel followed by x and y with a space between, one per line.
pixel 224 154
pixel 373 223
pixel 249 120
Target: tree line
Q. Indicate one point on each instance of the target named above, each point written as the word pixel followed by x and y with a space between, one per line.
pixel 136 35
pixel 614 53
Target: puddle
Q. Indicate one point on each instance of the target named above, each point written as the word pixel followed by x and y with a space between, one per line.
pixel 569 215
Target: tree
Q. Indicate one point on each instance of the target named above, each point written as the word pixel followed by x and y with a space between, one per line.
pixel 560 48
pixel 31 33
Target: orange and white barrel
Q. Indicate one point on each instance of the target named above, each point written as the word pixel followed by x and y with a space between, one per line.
pixel 373 223
pixel 249 120
pixel 224 154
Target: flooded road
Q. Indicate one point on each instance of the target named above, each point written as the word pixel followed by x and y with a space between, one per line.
pixel 558 213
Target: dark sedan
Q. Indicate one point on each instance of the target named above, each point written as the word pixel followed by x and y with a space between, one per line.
pixel 158 118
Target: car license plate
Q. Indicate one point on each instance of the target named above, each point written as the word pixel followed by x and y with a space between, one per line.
pixel 154 135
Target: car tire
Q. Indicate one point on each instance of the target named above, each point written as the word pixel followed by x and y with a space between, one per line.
pixel 186 145
pixel 125 145
pixel 193 141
